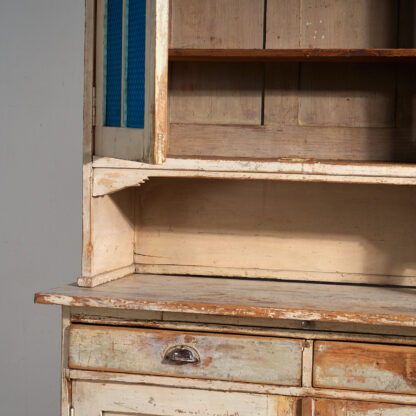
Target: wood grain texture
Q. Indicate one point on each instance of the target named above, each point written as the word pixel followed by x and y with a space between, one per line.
pixel 324 407
pixel 270 142
pixel 347 95
pixel 223 357
pixel 292 55
pixel 112 233
pixel 245 298
pixel 91 399
pixel 111 175
pixel 299 231
pixel 369 367
pixel 331 24
pixel 210 93
pixel 217 24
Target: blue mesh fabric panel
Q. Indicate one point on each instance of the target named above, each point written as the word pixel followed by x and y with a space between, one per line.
pixel 114 42
pixel 136 52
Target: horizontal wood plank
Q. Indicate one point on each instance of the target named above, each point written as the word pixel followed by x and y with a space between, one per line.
pixel 293 55
pixel 308 142
pixel 245 298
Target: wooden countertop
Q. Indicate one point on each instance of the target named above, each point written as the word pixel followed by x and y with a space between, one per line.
pixel 373 305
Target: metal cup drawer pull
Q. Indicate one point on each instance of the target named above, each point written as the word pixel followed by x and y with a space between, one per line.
pixel 181 354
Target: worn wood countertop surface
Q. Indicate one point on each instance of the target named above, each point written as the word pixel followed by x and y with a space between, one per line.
pixel 246 298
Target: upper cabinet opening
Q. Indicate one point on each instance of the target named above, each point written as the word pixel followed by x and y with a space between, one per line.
pixel 250 80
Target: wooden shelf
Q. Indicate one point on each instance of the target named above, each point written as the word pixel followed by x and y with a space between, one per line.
pixel 293 55
pixel 246 298
pixel 111 175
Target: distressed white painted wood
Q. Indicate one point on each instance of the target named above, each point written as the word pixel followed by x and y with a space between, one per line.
pixel 223 357
pixel 95 399
pixel 119 174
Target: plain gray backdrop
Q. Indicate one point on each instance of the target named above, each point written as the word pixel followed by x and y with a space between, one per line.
pixel 41 64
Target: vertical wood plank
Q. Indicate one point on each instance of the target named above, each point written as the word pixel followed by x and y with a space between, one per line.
pixel 216 93
pixel 88 135
pixel 217 24
pixel 282 94
pixel 283 24
pixel 347 95
pixel 346 24
pixel 66 382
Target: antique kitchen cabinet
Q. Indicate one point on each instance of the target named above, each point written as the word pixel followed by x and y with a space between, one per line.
pixel 249 211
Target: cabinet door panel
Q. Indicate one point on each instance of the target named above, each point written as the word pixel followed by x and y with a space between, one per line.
pixel 131 79
pixel 116 399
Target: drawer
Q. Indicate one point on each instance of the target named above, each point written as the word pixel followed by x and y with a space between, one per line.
pixel 186 354
pixel 370 367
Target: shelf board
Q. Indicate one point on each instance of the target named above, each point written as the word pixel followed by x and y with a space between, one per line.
pixel 293 55
pixel 111 175
pixel 246 298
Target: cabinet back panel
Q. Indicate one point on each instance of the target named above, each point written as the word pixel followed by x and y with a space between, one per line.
pixel 230 24
pixel 324 111
pixel 300 231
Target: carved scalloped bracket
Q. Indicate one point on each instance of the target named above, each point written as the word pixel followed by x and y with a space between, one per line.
pixel 107 181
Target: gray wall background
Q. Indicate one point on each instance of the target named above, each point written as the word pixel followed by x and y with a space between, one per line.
pixel 41 64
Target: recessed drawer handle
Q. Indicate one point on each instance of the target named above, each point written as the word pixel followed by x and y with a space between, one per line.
pixel 181 354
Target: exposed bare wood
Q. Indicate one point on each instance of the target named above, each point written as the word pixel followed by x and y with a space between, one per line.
pixel 368 367
pixel 292 55
pixel 349 408
pixel 245 298
pixel 198 95
pixel 331 24
pixel 217 24
pixel 339 143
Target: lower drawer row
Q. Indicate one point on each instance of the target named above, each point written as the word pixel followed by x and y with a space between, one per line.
pixel 254 359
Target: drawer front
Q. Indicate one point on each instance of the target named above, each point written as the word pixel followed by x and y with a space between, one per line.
pixel 221 357
pixel 370 367
pixel 323 407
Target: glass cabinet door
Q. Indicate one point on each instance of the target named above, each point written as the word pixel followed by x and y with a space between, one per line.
pixel 131 79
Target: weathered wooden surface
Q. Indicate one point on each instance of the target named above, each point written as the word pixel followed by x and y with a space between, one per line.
pixel 149 144
pixel 245 298
pixel 270 142
pixel 93 398
pixel 223 357
pixel 331 24
pixel 369 367
pixel 216 93
pixel 239 387
pixel 292 55
pixel 111 175
pixel 217 24
pixel 324 407
pixel 320 232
